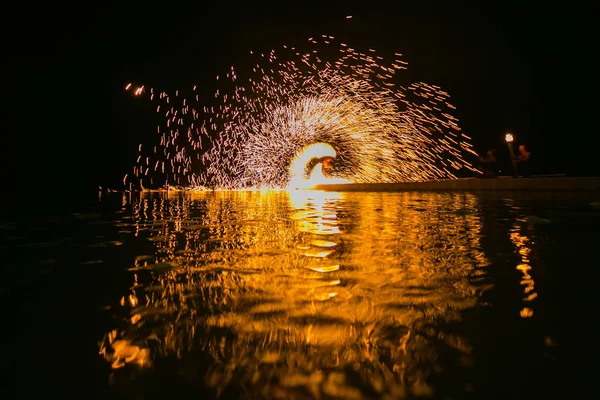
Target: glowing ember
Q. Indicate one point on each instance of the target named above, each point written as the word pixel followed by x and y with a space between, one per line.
pixel 295 119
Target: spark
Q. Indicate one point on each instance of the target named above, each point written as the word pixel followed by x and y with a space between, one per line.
pixel 255 132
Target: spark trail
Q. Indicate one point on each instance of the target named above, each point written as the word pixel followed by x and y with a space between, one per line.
pixel 250 136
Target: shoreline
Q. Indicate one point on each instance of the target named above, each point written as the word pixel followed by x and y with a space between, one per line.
pixel 562 184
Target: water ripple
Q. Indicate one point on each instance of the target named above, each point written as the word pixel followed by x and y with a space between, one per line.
pixel 285 293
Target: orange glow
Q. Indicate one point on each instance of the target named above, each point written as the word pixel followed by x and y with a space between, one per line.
pixel 509 138
pixel 523 247
pixel 327 269
pixel 298 167
pixel 323 279
pixel 317 253
pixel 120 352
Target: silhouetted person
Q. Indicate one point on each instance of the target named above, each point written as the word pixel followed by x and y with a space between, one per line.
pixel 488 164
pixel 522 161
pixel 327 166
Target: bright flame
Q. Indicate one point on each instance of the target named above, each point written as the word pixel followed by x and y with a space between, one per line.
pixel 509 137
pixel 298 167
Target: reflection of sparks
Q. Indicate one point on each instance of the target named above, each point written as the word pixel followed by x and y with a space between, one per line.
pixel 232 264
pixel 248 138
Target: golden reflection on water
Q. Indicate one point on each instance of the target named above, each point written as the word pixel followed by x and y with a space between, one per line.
pixel 292 290
pixel 523 245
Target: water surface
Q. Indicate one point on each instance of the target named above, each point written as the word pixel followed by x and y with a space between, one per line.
pixel 301 295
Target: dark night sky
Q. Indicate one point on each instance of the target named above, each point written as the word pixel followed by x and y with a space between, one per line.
pixel 506 65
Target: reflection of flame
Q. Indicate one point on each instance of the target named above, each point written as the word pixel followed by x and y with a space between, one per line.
pixel 522 243
pixel 298 168
pixel 120 352
pixel 314 211
pixel 230 277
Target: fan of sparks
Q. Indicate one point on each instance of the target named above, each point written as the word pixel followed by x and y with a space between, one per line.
pixel 374 129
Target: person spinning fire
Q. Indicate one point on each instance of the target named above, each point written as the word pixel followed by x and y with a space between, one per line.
pixel 327 165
